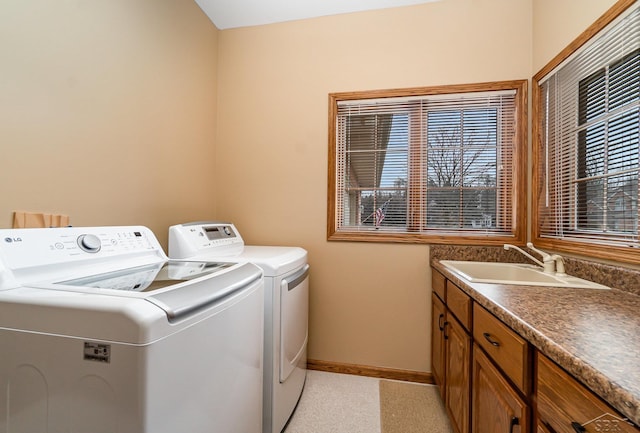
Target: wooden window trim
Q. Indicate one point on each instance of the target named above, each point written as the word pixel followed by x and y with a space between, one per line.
pixel 519 206
pixel 588 249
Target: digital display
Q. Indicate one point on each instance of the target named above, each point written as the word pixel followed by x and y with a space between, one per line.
pixel 213 233
pixel 218 232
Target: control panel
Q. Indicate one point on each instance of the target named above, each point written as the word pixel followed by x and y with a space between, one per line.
pixel 188 240
pixel 28 248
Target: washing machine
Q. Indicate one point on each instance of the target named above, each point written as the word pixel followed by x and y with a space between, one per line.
pixel 101 333
pixel 286 275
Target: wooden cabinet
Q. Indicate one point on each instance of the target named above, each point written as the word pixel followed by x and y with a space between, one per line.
pixel 476 360
pixel 487 381
pixel 505 347
pixel 566 406
pixel 457 373
pixel 497 407
pixel 438 284
pixel 438 317
pixel 459 303
pixel 542 429
pixel 451 353
pixel 499 388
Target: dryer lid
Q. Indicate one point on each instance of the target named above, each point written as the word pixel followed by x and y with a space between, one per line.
pixel 274 260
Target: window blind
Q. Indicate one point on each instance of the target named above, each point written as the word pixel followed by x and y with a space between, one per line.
pixel 441 163
pixel 590 128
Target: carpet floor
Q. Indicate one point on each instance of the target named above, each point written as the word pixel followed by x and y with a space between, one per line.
pixel 411 408
pixel 341 403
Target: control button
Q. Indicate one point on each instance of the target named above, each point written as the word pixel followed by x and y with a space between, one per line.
pixel 89 243
pixel 59 245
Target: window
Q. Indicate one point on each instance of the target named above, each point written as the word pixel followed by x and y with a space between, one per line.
pixel 428 164
pixel 589 145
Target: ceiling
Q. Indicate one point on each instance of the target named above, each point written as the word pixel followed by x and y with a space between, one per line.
pixel 227 14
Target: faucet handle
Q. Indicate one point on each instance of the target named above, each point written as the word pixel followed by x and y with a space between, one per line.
pixel 559 265
pixel 545 256
pixel 549 263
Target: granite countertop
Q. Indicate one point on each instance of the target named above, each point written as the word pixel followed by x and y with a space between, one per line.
pixel 593 334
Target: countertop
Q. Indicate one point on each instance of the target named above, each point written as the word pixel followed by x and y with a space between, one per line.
pixel 593 334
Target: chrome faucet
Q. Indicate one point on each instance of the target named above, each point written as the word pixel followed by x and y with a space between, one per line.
pixel 548 261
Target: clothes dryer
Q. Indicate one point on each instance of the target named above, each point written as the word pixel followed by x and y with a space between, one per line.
pixel 286 275
pixel 101 333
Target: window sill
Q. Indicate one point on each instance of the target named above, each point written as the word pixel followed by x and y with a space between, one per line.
pixel 437 237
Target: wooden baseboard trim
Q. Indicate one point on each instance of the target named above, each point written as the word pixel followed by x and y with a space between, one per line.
pixel 365 370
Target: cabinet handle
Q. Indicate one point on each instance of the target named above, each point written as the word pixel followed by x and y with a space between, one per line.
pixel 514 421
pixel 493 342
pixel 578 427
pixel 440 324
pixel 445 327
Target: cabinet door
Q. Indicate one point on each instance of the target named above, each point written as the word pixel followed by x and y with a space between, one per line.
pixel 566 406
pixel 542 429
pixel 496 406
pixel 457 373
pixel 438 317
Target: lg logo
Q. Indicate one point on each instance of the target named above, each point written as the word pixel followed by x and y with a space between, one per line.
pixel 9 240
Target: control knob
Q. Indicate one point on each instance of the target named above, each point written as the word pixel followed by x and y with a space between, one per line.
pixel 89 243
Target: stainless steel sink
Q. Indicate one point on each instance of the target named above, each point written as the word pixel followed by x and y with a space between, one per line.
pixel 515 273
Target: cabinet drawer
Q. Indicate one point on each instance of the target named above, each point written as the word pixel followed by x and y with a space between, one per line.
pixel 438 284
pixel 505 347
pixel 563 401
pixel 459 304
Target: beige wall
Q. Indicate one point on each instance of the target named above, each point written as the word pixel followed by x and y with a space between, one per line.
pixel 108 114
pixel 369 302
pixel 107 111
pixel 557 23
